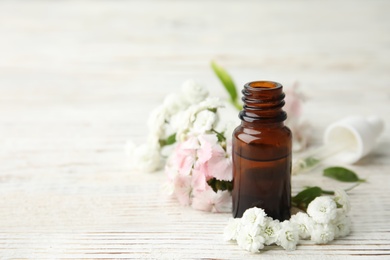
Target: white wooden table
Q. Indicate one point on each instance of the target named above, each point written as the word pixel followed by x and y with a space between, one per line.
pixel 78 78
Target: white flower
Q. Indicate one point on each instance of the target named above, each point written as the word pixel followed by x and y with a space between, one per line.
pixel 288 236
pixel 303 223
pixel 193 93
pixel 322 233
pixel 322 209
pixel 174 103
pixel 229 129
pixel 189 116
pixel 145 157
pixel 232 229
pixel 209 103
pixel 254 217
pixel 342 226
pixel 228 119
pixel 179 119
pixel 204 122
pixel 249 238
pixel 156 123
pixel 342 201
pixel 270 231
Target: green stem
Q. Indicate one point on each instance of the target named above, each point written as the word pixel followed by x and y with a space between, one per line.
pixel 328 192
pixel 352 187
pixel 170 140
pixel 219 135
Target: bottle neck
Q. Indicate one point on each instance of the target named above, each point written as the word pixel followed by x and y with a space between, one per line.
pixel 263 103
pixel 256 123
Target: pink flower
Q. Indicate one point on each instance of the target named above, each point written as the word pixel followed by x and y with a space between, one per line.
pixel 211 201
pixel 192 164
pixel 293 107
pixel 191 143
pixel 184 156
pixel 198 181
pixel 293 99
pixel 207 142
pixel 182 189
pixel 220 164
pixel 213 160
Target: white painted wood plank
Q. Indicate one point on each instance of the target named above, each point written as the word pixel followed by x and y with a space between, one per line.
pixel 77 79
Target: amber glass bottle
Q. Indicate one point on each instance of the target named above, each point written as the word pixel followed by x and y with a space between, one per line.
pixel 262 152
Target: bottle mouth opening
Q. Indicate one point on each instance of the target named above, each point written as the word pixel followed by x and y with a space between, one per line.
pixel 263 85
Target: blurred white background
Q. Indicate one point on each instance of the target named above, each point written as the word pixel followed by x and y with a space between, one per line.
pixel 101 63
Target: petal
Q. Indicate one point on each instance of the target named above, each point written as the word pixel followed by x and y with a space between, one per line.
pixel 186 165
pixel 203 200
pixel 198 180
pixel 208 138
pixel 223 201
pixel 205 152
pixel 182 189
pixel 191 143
pixel 220 168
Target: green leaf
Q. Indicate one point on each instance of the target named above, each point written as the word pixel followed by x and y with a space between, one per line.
pixel 170 140
pixel 303 198
pixel 305 164
pixel 217 185
pixel 220 136
pixel 311 161
pixel 342 174
pixel 227 82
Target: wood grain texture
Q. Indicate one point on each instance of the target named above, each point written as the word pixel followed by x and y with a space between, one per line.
pixel 78 78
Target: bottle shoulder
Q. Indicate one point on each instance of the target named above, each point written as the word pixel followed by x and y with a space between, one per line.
pixel 262 129
pixel 264 134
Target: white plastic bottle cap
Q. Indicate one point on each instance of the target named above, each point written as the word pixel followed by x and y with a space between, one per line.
pixel 353 137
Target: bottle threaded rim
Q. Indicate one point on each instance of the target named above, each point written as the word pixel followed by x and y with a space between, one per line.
pixel 263 85
pixel 263 101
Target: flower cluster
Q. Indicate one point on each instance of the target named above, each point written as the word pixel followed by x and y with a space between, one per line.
pixel 200 173
pixel 164 121
pixel 325 220
pixel 199 169
pixel 187 130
